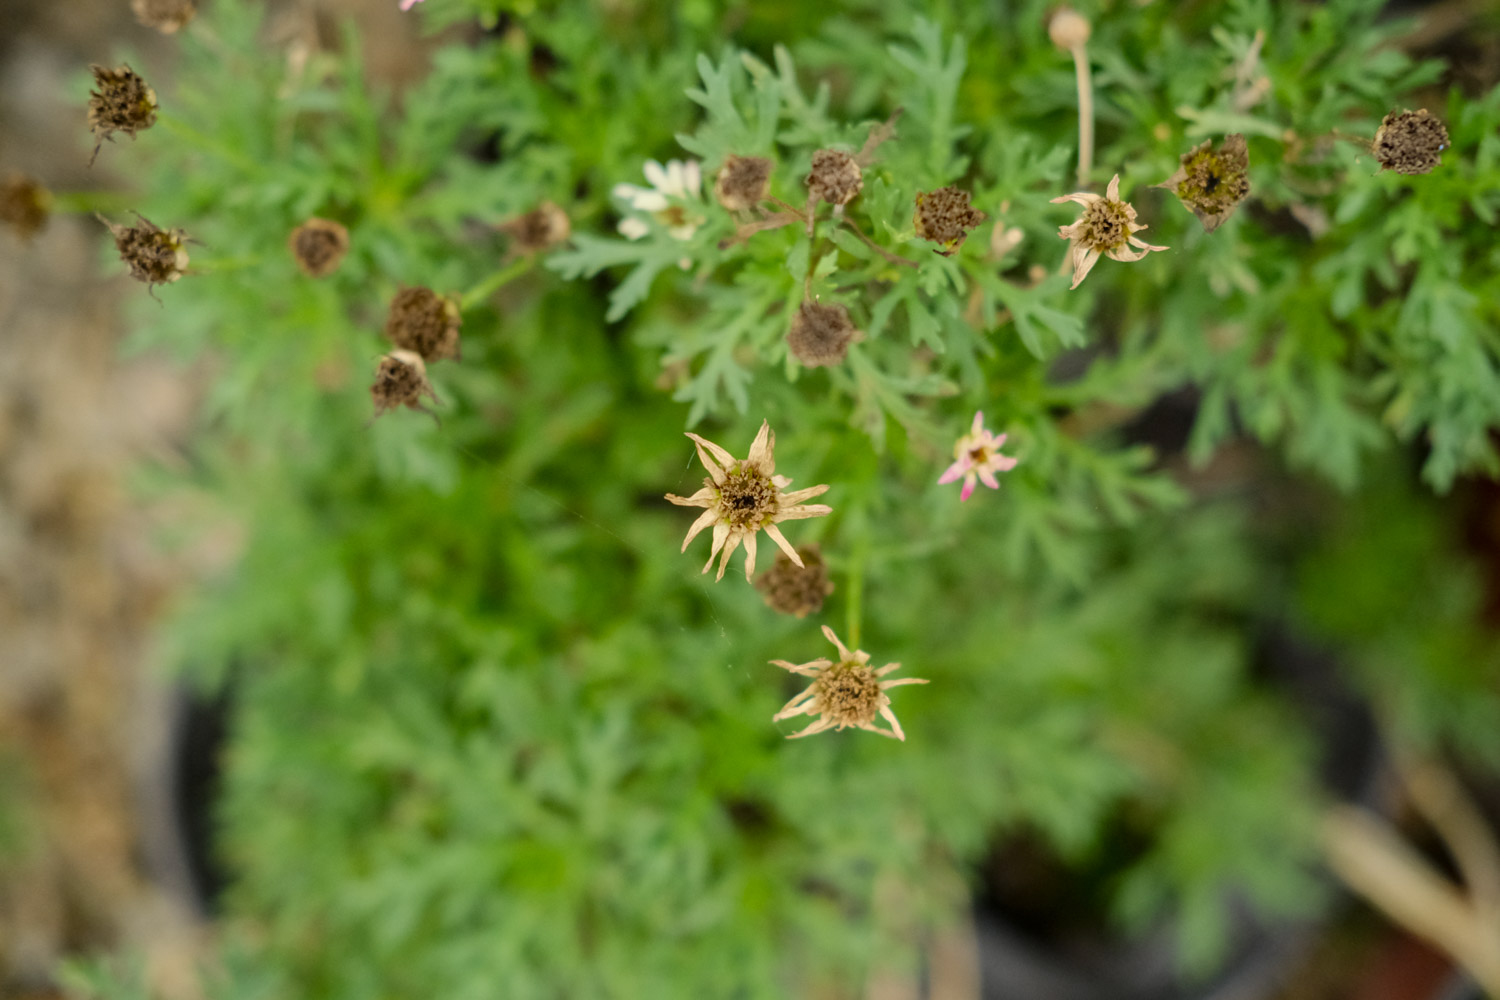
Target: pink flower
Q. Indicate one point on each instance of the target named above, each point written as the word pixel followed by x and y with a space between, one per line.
pixel 408 4
pixel 977 456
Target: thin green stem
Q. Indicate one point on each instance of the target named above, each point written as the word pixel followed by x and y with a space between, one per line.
pixel 858 559
pixel 490 285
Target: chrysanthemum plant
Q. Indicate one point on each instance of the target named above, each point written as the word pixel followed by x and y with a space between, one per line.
pixel 494 733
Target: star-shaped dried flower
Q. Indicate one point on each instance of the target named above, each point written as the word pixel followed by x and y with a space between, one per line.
pixel 1212 182
pixel 123 103
pixel 977 456
pixel 742 498
pixel 843 694
pixel 1107 227
pixel 156 256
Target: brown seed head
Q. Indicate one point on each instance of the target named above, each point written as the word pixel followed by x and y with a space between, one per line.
pixel 796 590
pixel 1105 225
pixel 319 246
pixel 835 177
pixel 166 16
pixel 847 694
pixel 1212 182
pixel 945 216
pixel 156 256
pixel 542 228
pixel 24 205
pixel 821 335
pixel 401 380
pixel 743 182
pixel 1411 142
pixel 747 496
pixel 423 321
pixel 123 103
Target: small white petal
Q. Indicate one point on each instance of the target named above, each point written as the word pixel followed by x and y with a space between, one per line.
pixel 633 229
pixel 656 176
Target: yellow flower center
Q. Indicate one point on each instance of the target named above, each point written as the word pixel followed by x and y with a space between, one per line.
pixel 1105 225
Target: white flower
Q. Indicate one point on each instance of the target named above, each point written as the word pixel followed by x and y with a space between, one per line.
pixel 671 200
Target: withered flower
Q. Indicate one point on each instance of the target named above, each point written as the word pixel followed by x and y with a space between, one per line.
pixel 155 255
pixel 123 103
pixel 319 246
pixel 423 321
pixel 742 498
pixel 821 335
pixel 1411 142
pixel 401 380
pixel 796 590
pixel 835 177
pixel 843 694
pixel 1212 182
pixel 944 216
pixel 166 16
pixel 1106 227
pixel 24 205
pixel 542 228
pixel 743 182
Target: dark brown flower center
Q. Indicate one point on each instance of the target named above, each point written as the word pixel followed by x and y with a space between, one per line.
pixel 848 693
pixel 1106 225
pixel 746 498
pixel 979 455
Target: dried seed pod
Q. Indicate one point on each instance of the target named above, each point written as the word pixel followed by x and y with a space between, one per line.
pixel 945 216
pixel 423 321
pixel 796 590
pixel 24 205
pixel 743 182
pixel 319 246
pixel 156 256
pixel 542 228
pixel 1411 142
pixel 1212 182
pixel 835 177
pixel 123 103
pixel 821 335
pixel 1069 29
pixel 401 380
pixel 166 16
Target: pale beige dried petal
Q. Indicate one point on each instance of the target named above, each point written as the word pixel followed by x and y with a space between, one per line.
pixel 809 510
pixel 785 546
pixel 721 460
pixel 704 520
pixel 761 450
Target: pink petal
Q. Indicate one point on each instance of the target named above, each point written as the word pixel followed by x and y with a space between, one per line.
pixel 955 470
pixel 978 425
pixel 968 489
pixel 988 478
pixel 1004 462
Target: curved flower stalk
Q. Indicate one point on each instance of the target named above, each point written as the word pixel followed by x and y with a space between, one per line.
pixel 1107 227
pixel 844 693
pixel 977 456
pixel 743 498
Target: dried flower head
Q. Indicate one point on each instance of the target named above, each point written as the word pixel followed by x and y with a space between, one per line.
pixel 1411 142
pixel 156 256
pixel 945 216
pixel 319 246
pixel 24 205
pixel 1107 226
pixel 742 498
pixel 821 335
pixel 835 177
pixel 542 228
pixel 166 16
pixel 976 455
pixel 793 589
pixel 1212 182
pixel 743 182
pixel 1068 29
pixel 845 693
pixel 123 103
pixel 401 380
pixel 423 321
